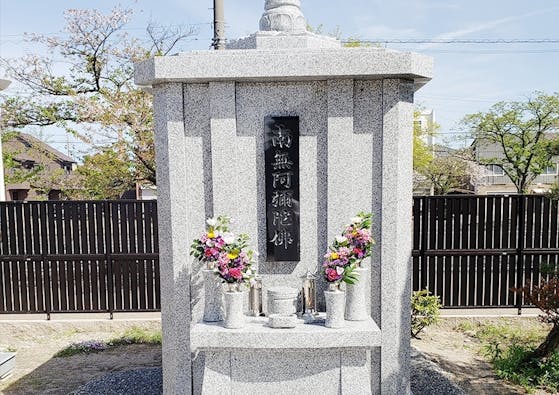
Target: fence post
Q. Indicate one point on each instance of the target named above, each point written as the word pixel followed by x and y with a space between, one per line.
pixel 520 250
pixel 109 260
pixel 45 263
pixel 423 245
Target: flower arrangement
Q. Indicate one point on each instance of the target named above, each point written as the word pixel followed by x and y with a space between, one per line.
pixel 211 244
pixel 228 255
pixel 348 250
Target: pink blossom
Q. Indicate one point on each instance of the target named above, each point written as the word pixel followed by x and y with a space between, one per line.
pixel 236 273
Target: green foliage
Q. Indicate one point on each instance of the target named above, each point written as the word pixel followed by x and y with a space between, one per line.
pixel 96 101
pixel 447 174
pixel 553 192
pixel 137 335
pixel 425 311
pixel 522 133
pixel 350 277
pixel 509 344
pixel 510 364
pixel 106 175
pixel 134 335
pixel 422 151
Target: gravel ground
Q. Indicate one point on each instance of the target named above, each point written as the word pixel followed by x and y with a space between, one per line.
pixel 426 379
pixel 147 381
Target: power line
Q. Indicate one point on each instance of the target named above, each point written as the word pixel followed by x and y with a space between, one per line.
pixel 456 41
pixel 63 33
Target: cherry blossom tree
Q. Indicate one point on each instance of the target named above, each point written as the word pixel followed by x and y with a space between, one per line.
pixel 93 96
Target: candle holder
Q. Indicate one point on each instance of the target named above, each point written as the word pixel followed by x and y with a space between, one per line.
pixel 309 297
pixel 255 297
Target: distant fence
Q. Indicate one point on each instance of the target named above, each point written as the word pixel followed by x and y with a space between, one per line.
pixel 471 250
pixel 78 256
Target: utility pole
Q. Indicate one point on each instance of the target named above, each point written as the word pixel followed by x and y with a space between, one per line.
pixel 219 25
pixel 3 85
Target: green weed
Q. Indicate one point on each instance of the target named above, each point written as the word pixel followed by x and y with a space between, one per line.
pixel 137 335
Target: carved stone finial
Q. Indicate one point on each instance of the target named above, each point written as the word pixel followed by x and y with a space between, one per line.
pixel 283 16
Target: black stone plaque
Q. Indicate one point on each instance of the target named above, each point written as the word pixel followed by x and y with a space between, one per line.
pixel 281 145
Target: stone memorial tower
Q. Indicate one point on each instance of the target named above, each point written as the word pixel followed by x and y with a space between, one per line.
pixel 350 113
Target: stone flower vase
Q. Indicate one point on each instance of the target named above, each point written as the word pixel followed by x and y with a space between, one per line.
pixel 335 303
pixel 356 306
pixel 234 315
pixel 213 296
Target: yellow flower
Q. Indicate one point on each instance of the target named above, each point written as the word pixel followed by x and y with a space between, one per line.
pixel 334 255
pixel 211 235
pixel 232 255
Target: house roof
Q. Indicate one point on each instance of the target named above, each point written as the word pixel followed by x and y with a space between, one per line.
pixel 33 143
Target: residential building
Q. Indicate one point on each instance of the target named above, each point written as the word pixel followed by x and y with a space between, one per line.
pixel 496 182
pixel 37 170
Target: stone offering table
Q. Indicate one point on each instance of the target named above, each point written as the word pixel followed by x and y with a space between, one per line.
pixel 262 360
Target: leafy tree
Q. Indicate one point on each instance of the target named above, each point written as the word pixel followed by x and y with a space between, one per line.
pixel 447 174
pixel 422 150
pixel 521 131
pixel 95 98
pixel 104 175
pixel 455 172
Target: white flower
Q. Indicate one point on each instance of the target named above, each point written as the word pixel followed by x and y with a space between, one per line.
pixel 248 272
pixel 211 221
pixel 341 239
pixel 228 238
pixel 340 270
pixel 356 220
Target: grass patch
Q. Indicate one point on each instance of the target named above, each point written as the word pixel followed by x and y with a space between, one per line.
pixel 504 332
pixel 85 347
pixel 506 343
pixel 134 335
pixel 508 365
pixel 137 335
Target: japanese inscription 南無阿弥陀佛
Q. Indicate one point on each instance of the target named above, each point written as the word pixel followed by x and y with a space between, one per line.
pixel 281 141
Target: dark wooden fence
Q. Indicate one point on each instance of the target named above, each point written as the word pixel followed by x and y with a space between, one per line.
pixel 472 250
pixel 103 256
pixel 90 256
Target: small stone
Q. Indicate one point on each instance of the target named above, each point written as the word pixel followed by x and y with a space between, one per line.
pixel 282 320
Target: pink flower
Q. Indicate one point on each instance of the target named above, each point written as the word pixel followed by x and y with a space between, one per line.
pixel 236 273
pixel 332 274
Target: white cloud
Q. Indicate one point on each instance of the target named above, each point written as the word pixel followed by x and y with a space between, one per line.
pixel 485 26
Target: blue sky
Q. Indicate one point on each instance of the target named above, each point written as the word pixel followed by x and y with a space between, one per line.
pixel 468 77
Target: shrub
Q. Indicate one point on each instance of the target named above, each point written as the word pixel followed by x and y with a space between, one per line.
pixel 424 311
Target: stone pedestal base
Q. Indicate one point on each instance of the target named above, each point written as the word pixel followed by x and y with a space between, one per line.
pixel 308 359
pixel 297 372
